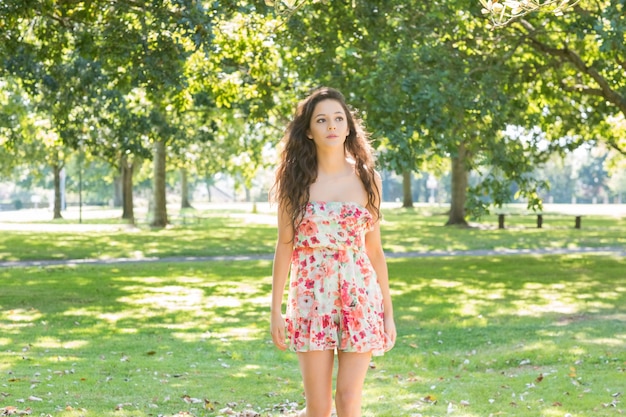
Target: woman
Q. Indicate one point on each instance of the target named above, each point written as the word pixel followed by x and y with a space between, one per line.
pixel 328 196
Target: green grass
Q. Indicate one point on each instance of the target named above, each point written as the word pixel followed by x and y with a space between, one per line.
pixel 220 232
pixel 218 236
pixel 513 336
pixel 478 336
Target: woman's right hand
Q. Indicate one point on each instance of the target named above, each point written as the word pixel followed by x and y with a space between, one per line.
pixel 277 329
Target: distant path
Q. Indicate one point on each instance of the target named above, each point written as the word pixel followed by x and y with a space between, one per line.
pixel 615 251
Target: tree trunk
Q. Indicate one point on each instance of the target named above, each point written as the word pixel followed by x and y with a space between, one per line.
pixel 56 169
pixel 159 215
pixel 184 185
pixel 459 188
pixel 118 189
pixel 406 189
pixel 128 206
pixel 209 182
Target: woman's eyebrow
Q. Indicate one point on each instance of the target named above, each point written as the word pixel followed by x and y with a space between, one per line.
pixel 323 114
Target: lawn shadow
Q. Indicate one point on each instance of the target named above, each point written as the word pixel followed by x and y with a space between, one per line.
pixel 159 336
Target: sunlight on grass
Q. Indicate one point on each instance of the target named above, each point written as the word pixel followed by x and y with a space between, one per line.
pixel 21 315
pixel 616 341
pixel 168 298
pixel 52 343
pixel 224 232
pixel 478 336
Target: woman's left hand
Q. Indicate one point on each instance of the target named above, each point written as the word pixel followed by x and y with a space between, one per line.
pixel 390 331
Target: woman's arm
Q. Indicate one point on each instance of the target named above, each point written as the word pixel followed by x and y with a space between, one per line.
pixel 374 249
pixel 280 272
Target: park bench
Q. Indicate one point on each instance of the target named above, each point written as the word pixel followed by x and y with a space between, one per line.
pixel 502 216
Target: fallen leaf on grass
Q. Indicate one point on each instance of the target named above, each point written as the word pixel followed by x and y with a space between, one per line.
pixel 245 413
pixel 120 407
pixel 611 404
pixel 208 405
pixel 191 400
pixel 248 413
pixel 430 399
pixel 14 411
pixel 285 408
pixel 572 372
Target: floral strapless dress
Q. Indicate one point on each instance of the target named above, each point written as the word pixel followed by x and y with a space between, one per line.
pixel 335 301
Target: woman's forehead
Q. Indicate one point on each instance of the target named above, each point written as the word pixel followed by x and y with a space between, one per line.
pixel 328 106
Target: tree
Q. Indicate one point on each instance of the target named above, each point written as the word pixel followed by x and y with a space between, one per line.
pixel 154 68
pixel 560 173
pixel 503 13
pixel 426 87
pixel 40 50
pixel 578 62
pixel 593 176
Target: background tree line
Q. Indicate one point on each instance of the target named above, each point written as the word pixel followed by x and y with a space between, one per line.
pixel 206 87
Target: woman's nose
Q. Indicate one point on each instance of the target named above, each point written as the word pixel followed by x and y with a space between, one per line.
pixel 332 127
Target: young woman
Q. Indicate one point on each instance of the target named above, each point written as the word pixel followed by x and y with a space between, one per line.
pixel 328 196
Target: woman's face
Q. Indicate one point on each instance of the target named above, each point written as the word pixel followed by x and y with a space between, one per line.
pixel 329 124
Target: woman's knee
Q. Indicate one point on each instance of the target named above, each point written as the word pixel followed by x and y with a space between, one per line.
pixel 318 408
pixel 347 399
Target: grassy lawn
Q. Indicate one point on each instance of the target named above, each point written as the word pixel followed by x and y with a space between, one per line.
pixel 228 232
pixel 478 336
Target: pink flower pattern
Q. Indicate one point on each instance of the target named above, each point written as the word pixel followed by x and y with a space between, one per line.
pixel 334 299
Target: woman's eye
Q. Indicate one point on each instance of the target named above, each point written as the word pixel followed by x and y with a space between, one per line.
pixel 321 120
pixel 339 119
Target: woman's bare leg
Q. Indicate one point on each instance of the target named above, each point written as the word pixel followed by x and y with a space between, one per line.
pixel 317 375
pixel 350 378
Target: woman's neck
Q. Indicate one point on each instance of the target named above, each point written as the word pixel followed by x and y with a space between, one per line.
pixel 332 164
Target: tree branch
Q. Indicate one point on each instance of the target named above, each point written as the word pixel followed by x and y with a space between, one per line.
pixel 613 144
pixel 581 88
pixel 573 58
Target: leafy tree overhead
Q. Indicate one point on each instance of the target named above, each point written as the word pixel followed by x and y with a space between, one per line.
pixel 430 83
pixel 238 100
pixel 206 87
pixel 501 13
pixel 41 50
pixel 579 66
pixel 143 60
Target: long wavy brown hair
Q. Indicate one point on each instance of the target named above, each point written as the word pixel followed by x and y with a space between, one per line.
pixel 297 169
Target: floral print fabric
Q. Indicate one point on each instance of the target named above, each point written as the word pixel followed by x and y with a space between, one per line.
pixel 334 299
